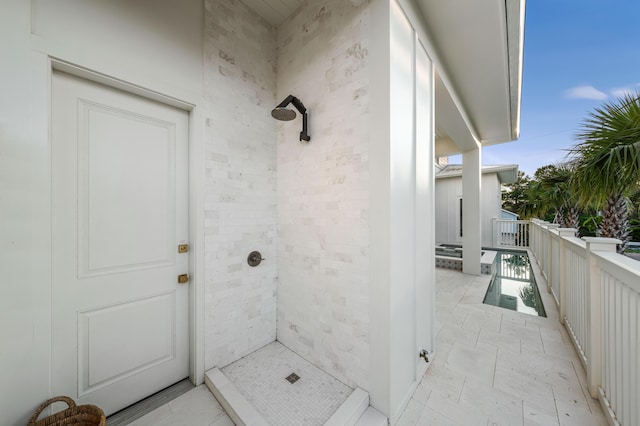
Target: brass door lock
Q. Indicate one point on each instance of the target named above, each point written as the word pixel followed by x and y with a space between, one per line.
pixel 183 279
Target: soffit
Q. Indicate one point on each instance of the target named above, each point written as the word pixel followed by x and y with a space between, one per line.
pixel 479 47
pixel 506 173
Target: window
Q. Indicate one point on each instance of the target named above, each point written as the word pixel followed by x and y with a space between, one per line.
pixel 460 217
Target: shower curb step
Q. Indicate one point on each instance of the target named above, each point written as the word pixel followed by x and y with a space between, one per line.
pixel 237 407
pixel 355 411
pixel 372 417
pixel 351 410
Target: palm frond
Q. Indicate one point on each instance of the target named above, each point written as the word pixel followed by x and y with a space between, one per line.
pixel 607 157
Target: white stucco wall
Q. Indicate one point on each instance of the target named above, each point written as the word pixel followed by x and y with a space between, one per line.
pixel 491 205
pixel 402 283
pixel 323 189
pixel 143 40
pixel 24 228
pixel 240 181
pixel 448 192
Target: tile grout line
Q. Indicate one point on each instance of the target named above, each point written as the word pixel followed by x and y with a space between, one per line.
pixel 495 367
pixel 555 402
pixel 544 349
pixel 462 389
pixel 586 397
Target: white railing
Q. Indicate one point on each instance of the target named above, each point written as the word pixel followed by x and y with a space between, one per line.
pixel 553 280
pixel 598 295
pixel 510 233
pixel 620 318
pixel 575 294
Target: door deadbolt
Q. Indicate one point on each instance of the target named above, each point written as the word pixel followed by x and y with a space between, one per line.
pixel 182 279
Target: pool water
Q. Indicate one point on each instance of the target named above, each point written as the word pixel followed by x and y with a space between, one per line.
pixel 513 286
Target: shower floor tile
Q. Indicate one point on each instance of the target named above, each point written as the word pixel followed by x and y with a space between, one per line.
pixel 261 377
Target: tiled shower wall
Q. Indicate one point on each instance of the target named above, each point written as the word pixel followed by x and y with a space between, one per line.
pixel 323 189
pixel 240 181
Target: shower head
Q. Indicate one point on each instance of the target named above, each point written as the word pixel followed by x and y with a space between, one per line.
pixel 283 114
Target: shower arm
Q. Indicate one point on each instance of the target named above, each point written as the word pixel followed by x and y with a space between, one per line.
pixel 304 136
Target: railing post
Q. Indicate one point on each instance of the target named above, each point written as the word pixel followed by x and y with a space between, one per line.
pixel 494 227
pixel 535 238
pixel 542 245
pixel 563 232
pixel 594 284
pixel 548 264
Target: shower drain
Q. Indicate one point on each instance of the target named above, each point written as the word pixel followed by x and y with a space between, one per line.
pixel 292 378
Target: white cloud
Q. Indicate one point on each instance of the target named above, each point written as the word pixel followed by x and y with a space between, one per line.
pixel 619 92
pixel 586 92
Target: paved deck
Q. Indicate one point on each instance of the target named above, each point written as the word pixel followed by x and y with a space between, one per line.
pixel 494 366
pixel 197 407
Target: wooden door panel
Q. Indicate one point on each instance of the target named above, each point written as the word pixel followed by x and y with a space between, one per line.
pixel 106 357
pixel 126 190
pixel 119 211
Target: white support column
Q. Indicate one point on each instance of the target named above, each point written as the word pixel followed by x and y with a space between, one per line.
pixel 594 284
pixel 471 220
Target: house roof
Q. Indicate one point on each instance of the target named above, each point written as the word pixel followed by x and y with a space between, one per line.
pixel 510 213
pixel 506 173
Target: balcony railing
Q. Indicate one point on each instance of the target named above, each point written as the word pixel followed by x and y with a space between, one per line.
pixel 511 233
pixel 598 296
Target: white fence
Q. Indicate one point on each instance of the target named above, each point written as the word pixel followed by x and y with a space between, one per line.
pixel 510 233
pixel 598 296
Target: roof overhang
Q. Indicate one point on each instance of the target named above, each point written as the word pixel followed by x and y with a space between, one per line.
pixel 478 49
pixel 507 173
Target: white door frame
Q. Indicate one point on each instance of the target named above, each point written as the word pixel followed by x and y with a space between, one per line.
pixel 196 208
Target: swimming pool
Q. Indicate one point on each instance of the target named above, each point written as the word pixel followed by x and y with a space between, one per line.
pixel 514 286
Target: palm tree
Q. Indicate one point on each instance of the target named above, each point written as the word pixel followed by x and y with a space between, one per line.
pixel 607 162
pixel 555 180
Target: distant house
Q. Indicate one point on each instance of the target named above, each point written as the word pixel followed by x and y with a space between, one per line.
pixel 507 215
pixel 450 201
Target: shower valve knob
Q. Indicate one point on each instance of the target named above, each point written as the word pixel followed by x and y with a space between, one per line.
pixel 254 258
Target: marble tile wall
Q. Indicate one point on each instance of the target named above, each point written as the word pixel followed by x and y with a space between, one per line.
pixel 240 181
pixel 323 189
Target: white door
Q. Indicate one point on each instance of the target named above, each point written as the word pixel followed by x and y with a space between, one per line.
pixel 119 211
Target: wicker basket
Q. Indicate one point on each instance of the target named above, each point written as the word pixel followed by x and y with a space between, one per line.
pixel 80 415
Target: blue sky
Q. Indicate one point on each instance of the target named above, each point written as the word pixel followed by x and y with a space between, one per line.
pixel 577 54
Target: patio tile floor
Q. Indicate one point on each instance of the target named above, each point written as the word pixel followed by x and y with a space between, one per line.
pixel 492 367
pixel 197 407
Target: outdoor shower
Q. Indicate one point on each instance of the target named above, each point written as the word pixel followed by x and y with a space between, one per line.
pixel 282 113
